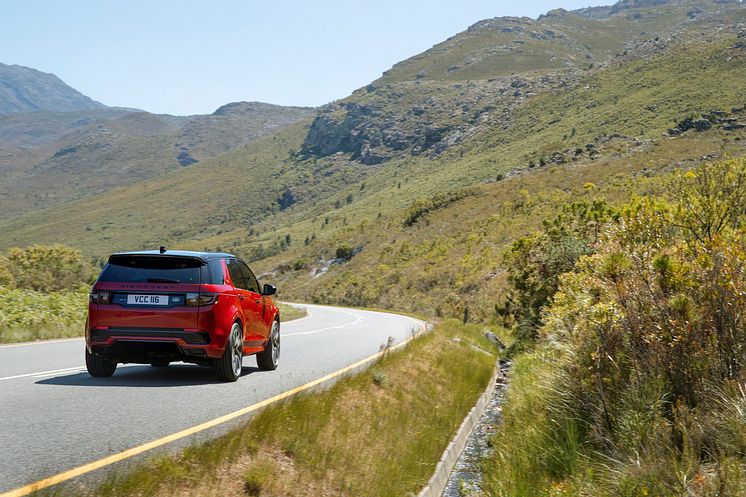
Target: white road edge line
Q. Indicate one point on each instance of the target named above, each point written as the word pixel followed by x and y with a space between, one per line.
pixel 81 370
pixel 358 319
pixel 54 371
pixel 40 374
pixel 39 342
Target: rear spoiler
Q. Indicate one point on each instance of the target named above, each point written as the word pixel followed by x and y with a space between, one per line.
pixel 113 258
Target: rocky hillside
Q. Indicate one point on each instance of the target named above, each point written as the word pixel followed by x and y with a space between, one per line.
pixel 23 89
pixel 473 80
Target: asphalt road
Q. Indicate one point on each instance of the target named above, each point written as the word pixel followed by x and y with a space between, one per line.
pixel 55 417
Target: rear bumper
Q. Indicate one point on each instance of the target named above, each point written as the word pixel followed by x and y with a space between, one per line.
pixel 145 345
pixel 188 337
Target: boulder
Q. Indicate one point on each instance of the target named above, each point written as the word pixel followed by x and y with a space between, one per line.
pixel 493 338
pixel 702 125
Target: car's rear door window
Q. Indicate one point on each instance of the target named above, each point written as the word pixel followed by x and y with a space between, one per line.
pixel 236 274
pixel 216 272
pixel 158 269
pixel 251 281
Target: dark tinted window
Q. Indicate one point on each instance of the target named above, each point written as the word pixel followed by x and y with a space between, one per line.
pixel 251 282
pixel 216 271
pixel 236 274
pixel 157 269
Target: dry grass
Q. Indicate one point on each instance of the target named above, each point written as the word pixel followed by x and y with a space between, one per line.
pixel 289 312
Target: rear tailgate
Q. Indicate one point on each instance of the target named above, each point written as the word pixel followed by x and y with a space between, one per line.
pixel 149 292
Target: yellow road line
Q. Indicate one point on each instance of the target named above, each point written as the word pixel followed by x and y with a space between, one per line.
pixel 120 456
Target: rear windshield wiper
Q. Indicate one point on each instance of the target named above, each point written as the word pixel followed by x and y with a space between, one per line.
pixel 162 280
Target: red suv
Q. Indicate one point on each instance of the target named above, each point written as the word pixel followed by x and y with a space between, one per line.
pixel 155 307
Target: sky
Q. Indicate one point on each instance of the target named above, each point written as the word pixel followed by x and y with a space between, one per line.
pixel 186 57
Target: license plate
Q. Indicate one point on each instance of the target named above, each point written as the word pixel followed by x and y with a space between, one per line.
pixel 147 299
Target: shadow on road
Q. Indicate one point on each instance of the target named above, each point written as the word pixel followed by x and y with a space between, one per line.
pixel 180 375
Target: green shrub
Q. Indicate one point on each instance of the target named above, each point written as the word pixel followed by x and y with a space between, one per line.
pixel 257 476
pixel 344 252
pixel 536 262
pixel 30 315
pixel 49 268
pixel 7 279
pixel 422 207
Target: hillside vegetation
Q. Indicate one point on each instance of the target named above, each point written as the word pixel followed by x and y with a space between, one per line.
pixel 560 39
pixel 450 257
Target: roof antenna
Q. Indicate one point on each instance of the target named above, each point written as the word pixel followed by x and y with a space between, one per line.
pixel 162 249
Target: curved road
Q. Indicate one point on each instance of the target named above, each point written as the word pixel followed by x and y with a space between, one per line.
pixel 54 417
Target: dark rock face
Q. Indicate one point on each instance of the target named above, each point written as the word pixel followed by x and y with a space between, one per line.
pixel 368 135
pixel 727 121
pixel 733 126
pixel 702 125
pixel 286 199
pixel 418 117
pixel 64 151
pixel 694 12
pixel 185 159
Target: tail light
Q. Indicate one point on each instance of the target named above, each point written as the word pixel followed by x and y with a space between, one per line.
pixel 200 299
pixel 100 297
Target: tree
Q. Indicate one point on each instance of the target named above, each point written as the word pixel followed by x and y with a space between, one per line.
pixel 535 263
pixel 709 199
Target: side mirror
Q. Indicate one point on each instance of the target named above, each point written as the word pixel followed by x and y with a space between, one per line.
pixel 269 290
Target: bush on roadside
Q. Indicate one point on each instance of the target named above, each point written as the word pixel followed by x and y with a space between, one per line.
pixel 29 315
pixel 7 279
pixel 536 262
pixel 43 292
pixel 637 384
pixel 48 268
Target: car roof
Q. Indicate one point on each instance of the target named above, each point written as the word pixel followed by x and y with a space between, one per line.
pixel 205 256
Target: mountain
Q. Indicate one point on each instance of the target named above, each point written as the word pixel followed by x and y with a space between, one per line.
pixel 431 101
pixel 405 193
pixel 50 158
pixel 23 89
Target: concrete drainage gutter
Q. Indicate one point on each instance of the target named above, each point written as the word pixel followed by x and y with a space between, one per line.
pixel 439 480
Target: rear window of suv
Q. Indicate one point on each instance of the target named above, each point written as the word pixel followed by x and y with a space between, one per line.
pixel 160 269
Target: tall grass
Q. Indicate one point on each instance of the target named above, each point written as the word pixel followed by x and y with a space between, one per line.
pixel 543 448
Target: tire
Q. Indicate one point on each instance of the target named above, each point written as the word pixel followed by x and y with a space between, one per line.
pixel 228 367
pixel 99 366
pixel 160 364
pixel 269 358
